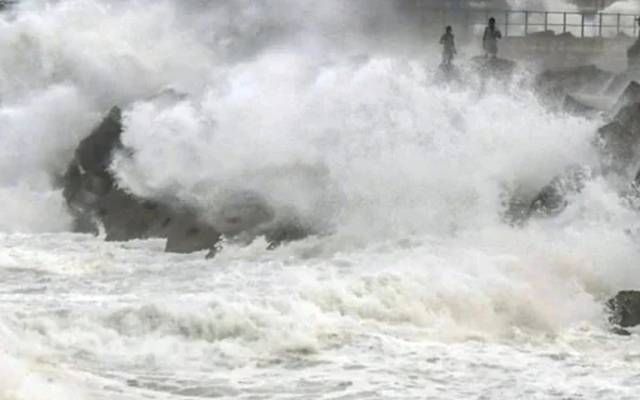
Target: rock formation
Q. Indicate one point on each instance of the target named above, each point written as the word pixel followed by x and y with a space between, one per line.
pixel 619 140
pixel 633 55
pixel 624 310
pixel 97 202
pixel 497 68
pixel 574 106
pixel 549 201
pixel 555 85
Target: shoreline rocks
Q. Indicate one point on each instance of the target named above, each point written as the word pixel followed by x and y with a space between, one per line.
pixel 624 311
pixel 97 203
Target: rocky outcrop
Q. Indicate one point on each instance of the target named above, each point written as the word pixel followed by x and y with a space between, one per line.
pixel 618 141
pixel 574 106
pixel 497 68
pixel 630 95
pixel 583 79
pixel 98 203
pixel 624 310
pixel 633 55
pixel 549 201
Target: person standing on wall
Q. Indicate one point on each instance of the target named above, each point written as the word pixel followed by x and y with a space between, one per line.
pixel 449 50
pixel 490 39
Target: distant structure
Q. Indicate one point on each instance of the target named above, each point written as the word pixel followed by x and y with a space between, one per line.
pixel 6 3
pixel 593 5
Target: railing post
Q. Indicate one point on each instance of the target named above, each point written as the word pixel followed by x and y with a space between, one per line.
pixel 582 26
pixel 546 21
pixel 526 23
pixel 506 23
pixel 564 22
pixel 618 25
pixel 600 25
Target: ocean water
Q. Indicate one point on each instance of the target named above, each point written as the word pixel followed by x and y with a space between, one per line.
pixel 414 287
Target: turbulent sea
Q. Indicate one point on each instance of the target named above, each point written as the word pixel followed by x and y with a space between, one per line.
pixel 415 288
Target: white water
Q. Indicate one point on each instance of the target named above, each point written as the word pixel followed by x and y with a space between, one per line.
pixel 416 290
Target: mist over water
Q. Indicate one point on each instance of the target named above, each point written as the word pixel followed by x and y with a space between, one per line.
pixel 413 278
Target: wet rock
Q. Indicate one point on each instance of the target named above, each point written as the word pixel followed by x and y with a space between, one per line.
pixel 550 201
pixel 188 235
pixel 497 68
pixel 619 140
pixel 448 74
pixel 630 95
pixel 575 107
pixel 286 230
pixel 633 55
pixel 95 201
pixel 242 211
pixel 583 79
pixel 624 309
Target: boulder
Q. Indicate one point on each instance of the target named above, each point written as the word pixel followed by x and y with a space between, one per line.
pixel 624 309
pixel 618 141
pixel 633 55
pixel 630 95
pixel 584 79
pixel 549 201
pixel 573 106
pixel 187 235
pixel 96 201
pixel 497 68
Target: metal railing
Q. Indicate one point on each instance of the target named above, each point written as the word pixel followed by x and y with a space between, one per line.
pixel 515 23
pixel 583 25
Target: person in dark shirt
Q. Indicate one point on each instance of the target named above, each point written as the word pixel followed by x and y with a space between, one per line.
pixel 449 50
pixel 490 39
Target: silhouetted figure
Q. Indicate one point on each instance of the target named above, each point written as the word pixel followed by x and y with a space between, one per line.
pixel 633 54
pixel 449 50
pixel 490 39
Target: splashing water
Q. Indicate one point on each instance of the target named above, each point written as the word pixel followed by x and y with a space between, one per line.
pixel 414 289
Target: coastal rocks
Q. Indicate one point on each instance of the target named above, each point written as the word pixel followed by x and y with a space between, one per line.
pixel 633 55
pixel 552 199
pixel 186 234
pixel 574 106
pixel 97 203
pixel 549 201
pixel 630 95
pixel 583 79
pixel 619 140
pixel 624 310
pixel 497 68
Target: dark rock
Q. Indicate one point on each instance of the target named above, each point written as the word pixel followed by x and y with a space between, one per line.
pixel 618 141
pixel 241 212
pixel 497 68
pixel 633 55
pixel 95 151
pixel 585 79
pixel 286 230
pixel 188 235
pixel 630 95
pixel 542 34
pixel 95 201
pixel 624 309
pixel 447 73
pixel 573 106
pixel 550 201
